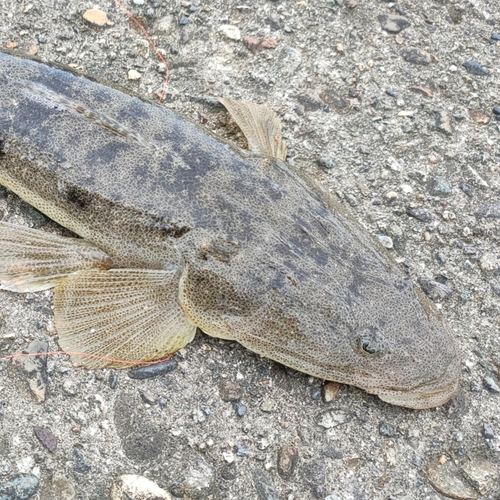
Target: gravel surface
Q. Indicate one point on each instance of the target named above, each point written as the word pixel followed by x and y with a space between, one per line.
pixel 394 107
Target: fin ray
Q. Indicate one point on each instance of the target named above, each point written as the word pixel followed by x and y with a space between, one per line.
pixel 126 314
pixel 261 126
pixel 33 260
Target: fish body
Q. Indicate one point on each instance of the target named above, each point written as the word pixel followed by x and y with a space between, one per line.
pixel 236 244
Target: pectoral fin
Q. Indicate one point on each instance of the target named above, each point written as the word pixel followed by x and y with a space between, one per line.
pixel 261 126
pixel 32 260
pixel 125 314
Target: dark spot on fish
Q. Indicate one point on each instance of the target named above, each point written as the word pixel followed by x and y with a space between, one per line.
pixel 77 197
pixel 168 228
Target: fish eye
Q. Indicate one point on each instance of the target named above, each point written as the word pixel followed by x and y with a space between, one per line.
pixel 370 343
pixel 367 348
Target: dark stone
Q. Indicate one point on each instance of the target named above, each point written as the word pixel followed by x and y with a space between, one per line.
pixel 150 371
pixel 420 214
pixel 467 189
pixel 474 68
pixel 287 459
pixel 314 475
pixel 81 465
pixel 440 187
pixel 334 100
pixel 496 110
pixel 20 487
pixel 434 290
pixel 387 430
pixel 46 437
pixel 112 380
pixel 495 37
pixel 416 56
pixel 184 20
pixel 490 209
pixel 391 93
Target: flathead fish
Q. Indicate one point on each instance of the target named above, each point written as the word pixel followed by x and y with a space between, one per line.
pixel 180 231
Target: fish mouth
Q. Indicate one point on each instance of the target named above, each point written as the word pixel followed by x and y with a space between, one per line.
pixel 427 395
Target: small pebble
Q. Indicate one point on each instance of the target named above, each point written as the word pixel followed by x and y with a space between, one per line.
pixel 390 197
pixel 112 380
pixel 440 187
pixel 46 437
pixel 467 189
pixel 416 56
pixel 134 487
pixel 495 37
pixel 326 162
pixel 495 288
pixel 147 397
pixel 491 384
pixel 133 75
pixel 242 450
pixel 474 68
pixel 386 241
pixel 240 408
pixel 420 214
pixel 329 391
pixel 150 371
pixel 440 258
pixel 488 432
pixel 230 31
pixel 393 23
pixel 443 123
pixel 97 18
pixel 496 110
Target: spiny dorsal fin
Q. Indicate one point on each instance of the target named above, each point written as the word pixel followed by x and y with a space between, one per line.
pixel 261 126
pixel 125 314
pixel 32 260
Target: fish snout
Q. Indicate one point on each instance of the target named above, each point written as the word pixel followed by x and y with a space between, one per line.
pixel 427 395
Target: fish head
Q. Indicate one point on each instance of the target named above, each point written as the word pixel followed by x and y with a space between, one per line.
pixel 374 331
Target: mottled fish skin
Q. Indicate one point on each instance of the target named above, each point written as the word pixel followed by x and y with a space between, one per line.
pixel 265 260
